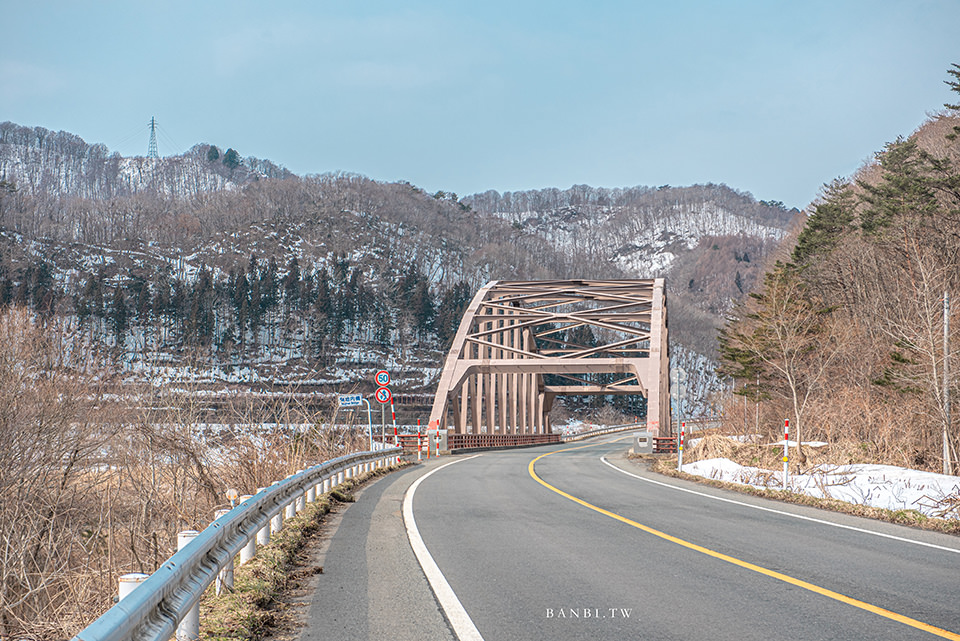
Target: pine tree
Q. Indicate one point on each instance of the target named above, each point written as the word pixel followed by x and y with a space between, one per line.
pixel 119 314
pixel 904 191
pixel 231 159
pixel 453 304
pixel 954 86
pixel 292 285
pixel 422 307
pixel 832 217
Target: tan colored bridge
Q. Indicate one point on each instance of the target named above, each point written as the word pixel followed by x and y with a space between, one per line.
pixel 594 336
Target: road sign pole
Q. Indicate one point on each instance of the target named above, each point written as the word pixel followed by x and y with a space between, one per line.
pixel 369 423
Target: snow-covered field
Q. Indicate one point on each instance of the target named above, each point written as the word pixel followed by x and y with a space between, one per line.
pixel 883 486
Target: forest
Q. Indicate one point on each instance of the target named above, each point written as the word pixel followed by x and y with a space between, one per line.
pixel 848 335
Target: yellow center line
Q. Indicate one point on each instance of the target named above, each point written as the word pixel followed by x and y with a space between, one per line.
pixel 913 623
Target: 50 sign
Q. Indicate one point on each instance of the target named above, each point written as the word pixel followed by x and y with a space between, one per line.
pixel 383 378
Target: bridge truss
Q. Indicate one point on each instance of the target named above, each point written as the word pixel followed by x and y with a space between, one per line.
pixel 523 343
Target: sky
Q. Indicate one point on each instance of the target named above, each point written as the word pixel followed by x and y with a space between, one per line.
pixel 771 97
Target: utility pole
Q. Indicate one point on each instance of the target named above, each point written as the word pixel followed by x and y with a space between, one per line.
pixel 152 146
pixel 756 400
pixel 946 383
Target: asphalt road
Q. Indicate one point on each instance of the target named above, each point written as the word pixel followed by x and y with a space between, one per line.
pixel 527 562
pixel 372 586
pixel 590 552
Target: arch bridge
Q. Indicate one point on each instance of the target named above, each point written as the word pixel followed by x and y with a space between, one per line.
pixel 523 343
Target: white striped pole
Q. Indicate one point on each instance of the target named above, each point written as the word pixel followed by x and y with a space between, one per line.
pixel 393 417
pixel 786 451
pixel 683 429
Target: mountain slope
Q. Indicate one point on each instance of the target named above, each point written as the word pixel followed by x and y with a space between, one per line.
pixel 272 276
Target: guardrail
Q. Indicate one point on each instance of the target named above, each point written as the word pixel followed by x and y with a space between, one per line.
pixel 168 598
pixel 579 436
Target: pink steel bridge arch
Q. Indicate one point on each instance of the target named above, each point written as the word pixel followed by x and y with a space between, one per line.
pixel 516 332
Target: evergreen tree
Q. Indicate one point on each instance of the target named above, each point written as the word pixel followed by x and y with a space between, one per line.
pixel 831 219
pixel 6 286
pixel 292 285
pixel 954 86
pixel 269 286
pixel 42 293
pixel 200 321
pixel 231 159
pixel 453 304
pixel 119 314
pixel 142 300
pixel 422 307
pixel 904 191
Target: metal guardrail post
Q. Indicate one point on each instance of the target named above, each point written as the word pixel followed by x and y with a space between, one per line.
pixel 263 534
pixel 225 578
pixel 249 550
pixel 128 583
pixel 301 502
pixel 189 628
pixel 276 522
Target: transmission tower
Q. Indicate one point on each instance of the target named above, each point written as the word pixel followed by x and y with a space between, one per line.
pixel 152 147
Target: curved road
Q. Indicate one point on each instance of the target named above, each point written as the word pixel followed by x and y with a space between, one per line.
pixel 558 543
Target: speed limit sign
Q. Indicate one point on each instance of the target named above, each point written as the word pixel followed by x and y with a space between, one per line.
pixel 383 378
pixel 383 395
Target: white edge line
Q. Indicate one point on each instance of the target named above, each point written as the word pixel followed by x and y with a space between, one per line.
pixel 461 622
pixel 781 512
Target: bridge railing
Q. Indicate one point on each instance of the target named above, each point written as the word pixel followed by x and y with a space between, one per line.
pixel 155 609
pixel 471 441
pixel 610 429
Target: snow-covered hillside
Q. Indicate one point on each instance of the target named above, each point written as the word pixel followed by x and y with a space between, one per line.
pixel 39 161
pixel 270 275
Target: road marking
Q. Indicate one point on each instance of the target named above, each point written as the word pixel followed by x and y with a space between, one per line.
pixel 781 512
pixel 919 625
pixel 460 621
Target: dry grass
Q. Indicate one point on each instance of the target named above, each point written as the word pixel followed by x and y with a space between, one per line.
pixel 97 478
pixel 668 467
pixel 842 452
